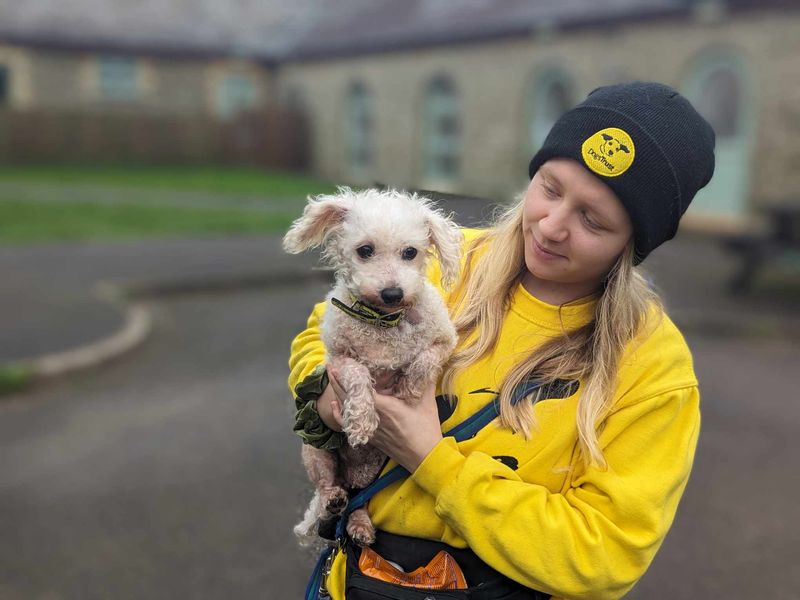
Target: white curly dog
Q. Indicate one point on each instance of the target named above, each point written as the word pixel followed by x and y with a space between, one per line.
pixel 383 319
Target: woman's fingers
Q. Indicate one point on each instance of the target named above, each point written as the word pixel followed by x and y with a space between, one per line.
pixel 337 387
pixel 336 402
pixel 408 431
pixel 336 410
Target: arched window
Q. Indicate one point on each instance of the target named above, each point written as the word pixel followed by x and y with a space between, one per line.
pixel 236 94
pixel 359 133
pixel 4 85
pixel 551 94
pixel 718 84
pixel 295 98
pixel 719 101
pixel 442 130
pixel 117 78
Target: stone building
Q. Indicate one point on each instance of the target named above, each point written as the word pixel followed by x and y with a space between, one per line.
pixel 155 56
pixel 436 94
pixel 459 98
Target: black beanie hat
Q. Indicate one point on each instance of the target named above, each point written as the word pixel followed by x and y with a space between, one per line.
pixel 647 143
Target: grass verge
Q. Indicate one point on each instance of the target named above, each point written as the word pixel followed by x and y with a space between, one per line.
pixel 22 221
pixel 214 179
pixel 14 379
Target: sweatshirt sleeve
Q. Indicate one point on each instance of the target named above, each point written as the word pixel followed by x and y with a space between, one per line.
pixel 307 350
pixel 597 537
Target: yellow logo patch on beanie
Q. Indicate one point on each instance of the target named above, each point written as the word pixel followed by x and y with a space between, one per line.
pixel 609 152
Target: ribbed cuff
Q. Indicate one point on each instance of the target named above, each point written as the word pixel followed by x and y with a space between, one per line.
pixel 307 422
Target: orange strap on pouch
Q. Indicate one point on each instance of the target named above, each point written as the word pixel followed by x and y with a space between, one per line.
pixel 441 573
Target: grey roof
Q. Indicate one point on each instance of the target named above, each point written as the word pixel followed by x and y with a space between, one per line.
pixel 302 29
pixel 261 28
pixel 385 24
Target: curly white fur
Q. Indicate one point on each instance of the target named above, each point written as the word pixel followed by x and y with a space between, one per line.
pixel 401 232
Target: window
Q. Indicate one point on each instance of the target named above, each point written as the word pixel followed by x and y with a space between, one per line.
pixel 295 98
pixel 719 101
pixel 4 86
pixel 117 78
pixel 359 128
pixel 550 96
pixel 236 94
pixel 442 130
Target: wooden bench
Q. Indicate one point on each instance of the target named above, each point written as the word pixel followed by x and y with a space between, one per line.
pixel 781 238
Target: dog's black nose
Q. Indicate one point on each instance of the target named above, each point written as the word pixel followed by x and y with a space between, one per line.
pixel 392 295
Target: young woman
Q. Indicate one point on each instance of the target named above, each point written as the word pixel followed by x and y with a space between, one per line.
pixel 570 492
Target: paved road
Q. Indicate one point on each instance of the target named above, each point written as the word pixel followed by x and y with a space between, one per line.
pixel 737 533
pixel 46 299
pixel 172 473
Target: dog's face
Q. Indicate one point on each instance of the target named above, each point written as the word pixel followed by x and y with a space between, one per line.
pixel 612 145
pixel 382 250
pixel 378 242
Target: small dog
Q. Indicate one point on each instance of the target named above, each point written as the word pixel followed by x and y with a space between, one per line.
pixel 384 320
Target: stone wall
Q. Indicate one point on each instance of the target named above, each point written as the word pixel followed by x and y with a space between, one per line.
pixel 60 80
pixel 493 78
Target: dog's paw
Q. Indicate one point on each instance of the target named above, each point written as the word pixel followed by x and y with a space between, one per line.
pixel 361 529
pixel 334 501
pixel 357 439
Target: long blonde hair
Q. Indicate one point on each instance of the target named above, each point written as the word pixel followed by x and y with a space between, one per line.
pixel 590 354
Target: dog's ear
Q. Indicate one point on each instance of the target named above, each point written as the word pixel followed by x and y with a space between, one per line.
pixel 321 216
pixel 446 237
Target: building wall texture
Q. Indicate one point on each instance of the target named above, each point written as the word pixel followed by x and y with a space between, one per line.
pixel 57 79
pixel 493 78
pixel 68 80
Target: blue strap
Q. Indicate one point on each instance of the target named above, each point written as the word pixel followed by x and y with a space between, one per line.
pixel 312 589
pixel 463 431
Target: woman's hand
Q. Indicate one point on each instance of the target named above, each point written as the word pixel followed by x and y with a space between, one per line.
pixel 337 395
pixel 406 433
pixel 325 404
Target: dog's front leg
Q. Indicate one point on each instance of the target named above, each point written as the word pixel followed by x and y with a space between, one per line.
pixel 322 467
pixel 360 420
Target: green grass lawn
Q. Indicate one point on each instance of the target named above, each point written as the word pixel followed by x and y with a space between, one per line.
pixel 223 180
pixel 49 221
pixel 43 219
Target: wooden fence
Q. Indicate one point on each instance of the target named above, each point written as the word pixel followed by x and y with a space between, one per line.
pixel 273 138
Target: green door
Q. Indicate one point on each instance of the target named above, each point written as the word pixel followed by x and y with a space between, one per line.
pixel 718 89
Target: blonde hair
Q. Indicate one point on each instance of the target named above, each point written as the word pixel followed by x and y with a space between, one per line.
pixel 590 354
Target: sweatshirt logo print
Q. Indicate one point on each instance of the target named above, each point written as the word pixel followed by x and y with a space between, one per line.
pixel 446 405
pixel 536 390
pixel 509 461
pixel 484 391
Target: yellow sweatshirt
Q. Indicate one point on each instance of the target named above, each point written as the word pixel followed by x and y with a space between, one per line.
pixel 531 509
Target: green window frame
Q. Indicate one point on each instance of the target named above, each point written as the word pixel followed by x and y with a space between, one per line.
pixel 551 94
pixel 360 129
pixel 442 133
pixel 236 94
pixel 118 78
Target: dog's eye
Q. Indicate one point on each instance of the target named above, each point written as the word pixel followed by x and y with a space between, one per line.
pixel 365 251
pixel 409 253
